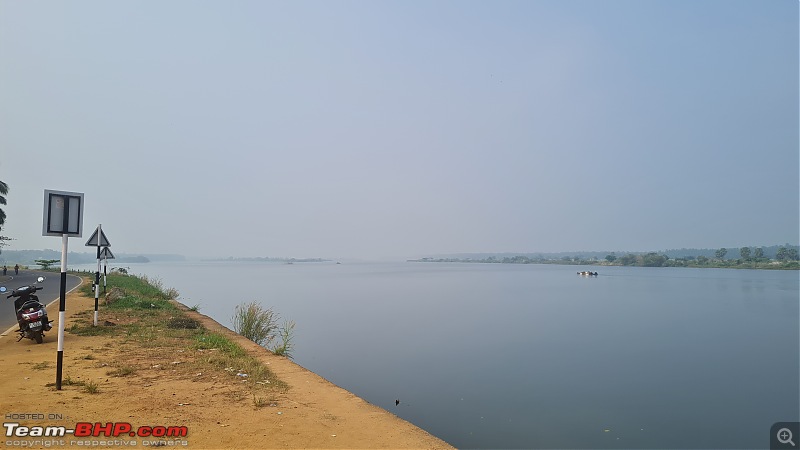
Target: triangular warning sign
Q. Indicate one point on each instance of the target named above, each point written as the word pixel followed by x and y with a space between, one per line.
pixel 105 253
pixel 93 242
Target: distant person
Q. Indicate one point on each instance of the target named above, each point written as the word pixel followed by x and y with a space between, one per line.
pixel 16 269
pixel 5 270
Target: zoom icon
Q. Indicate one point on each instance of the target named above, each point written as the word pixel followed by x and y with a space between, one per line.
pixel 784 435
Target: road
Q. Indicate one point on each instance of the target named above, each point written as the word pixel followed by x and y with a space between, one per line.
pixel 51 285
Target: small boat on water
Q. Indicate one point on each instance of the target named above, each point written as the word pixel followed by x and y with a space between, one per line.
pixel 588 274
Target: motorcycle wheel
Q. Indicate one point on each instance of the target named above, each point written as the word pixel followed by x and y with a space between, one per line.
pixel 39 338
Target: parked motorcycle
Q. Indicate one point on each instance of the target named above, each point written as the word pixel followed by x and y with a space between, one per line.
pixel 31 315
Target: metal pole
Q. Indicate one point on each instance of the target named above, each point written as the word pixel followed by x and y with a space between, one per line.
pixel 97 274
pixel 105 271
pixel 62 306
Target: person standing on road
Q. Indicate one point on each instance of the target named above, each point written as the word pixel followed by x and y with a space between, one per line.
pixel 5 270
pixel 16 269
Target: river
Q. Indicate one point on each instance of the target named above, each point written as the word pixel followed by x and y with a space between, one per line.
pixel 536 356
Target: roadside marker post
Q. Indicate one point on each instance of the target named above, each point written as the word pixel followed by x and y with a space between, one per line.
pixel 106 254
pixel 62 216
pixel 98 240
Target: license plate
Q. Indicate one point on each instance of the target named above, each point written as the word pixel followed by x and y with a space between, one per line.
pixel 35 324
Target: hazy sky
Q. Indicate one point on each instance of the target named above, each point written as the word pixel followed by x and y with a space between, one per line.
pixel 403 128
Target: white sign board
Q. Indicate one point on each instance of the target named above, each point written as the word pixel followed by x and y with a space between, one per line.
pixel 63 214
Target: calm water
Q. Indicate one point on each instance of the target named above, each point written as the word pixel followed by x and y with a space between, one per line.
pixel 535 356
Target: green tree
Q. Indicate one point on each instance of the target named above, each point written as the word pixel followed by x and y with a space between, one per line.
pixel 611 257
pixel 654 260
pixel 720 254
pixel 46 263
pixel 782 254
pixel 758 253
pixel 744 252
pixel 702 260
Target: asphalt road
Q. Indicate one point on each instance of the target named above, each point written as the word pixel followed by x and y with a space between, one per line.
pixel 51 285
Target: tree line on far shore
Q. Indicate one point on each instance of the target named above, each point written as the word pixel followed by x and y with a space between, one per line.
pixel 786 257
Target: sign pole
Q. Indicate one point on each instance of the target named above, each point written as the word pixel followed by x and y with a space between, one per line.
pixel 62 216
pixel 105 272
pixel 62 308
pixel 97 275
pixel 100 241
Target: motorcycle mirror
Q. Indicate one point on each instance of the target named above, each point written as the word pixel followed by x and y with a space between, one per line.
pixel 40 279
pixel 2 289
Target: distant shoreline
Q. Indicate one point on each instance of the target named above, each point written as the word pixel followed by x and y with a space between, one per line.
pixel 638 262
pixel 268 259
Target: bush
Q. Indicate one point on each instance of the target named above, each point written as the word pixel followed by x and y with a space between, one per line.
pixel 286 333
pixel 260 325
pixel 256 323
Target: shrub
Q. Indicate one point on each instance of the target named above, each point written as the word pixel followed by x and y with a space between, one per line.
pixel 255 322
pixel 286 334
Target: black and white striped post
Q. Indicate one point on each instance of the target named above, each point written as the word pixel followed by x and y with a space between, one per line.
pixel 62 216
pixel 98 240
pixel 106 254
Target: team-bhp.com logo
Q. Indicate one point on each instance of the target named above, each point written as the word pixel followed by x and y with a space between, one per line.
pixel 97 429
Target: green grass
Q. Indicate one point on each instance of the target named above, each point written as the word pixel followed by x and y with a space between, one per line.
pixel 255 322
pixel 217 341
pixel 231 357
pixel 286 334
pixel 137 293
pixel 67 381
pixel 185 323
pixel 88 329
pixel 148 319
pixel 90 387
pixel 123 371
pixel 260 325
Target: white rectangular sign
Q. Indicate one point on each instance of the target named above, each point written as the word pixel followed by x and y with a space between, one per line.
pixel 63 214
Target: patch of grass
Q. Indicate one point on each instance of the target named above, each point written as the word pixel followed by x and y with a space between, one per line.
pixel 67 381
pixel 255 322
pixel 41 366
pixel 195 308
pixel 85 328
pixel 141 302
pixel 286 334
pixel 260 325
pixel 90 387
pixel 155 328
pixel 183 323
pixel 123 371
pixel 137 292
pixel 231 357
pixel 259 402
pixel 217 341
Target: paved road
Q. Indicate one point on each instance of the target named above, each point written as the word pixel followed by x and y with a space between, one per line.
pixel 51 285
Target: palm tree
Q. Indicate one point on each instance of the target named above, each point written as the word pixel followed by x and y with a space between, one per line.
pixel 3 193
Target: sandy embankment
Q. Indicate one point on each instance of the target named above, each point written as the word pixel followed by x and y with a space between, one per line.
pixel 311 413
